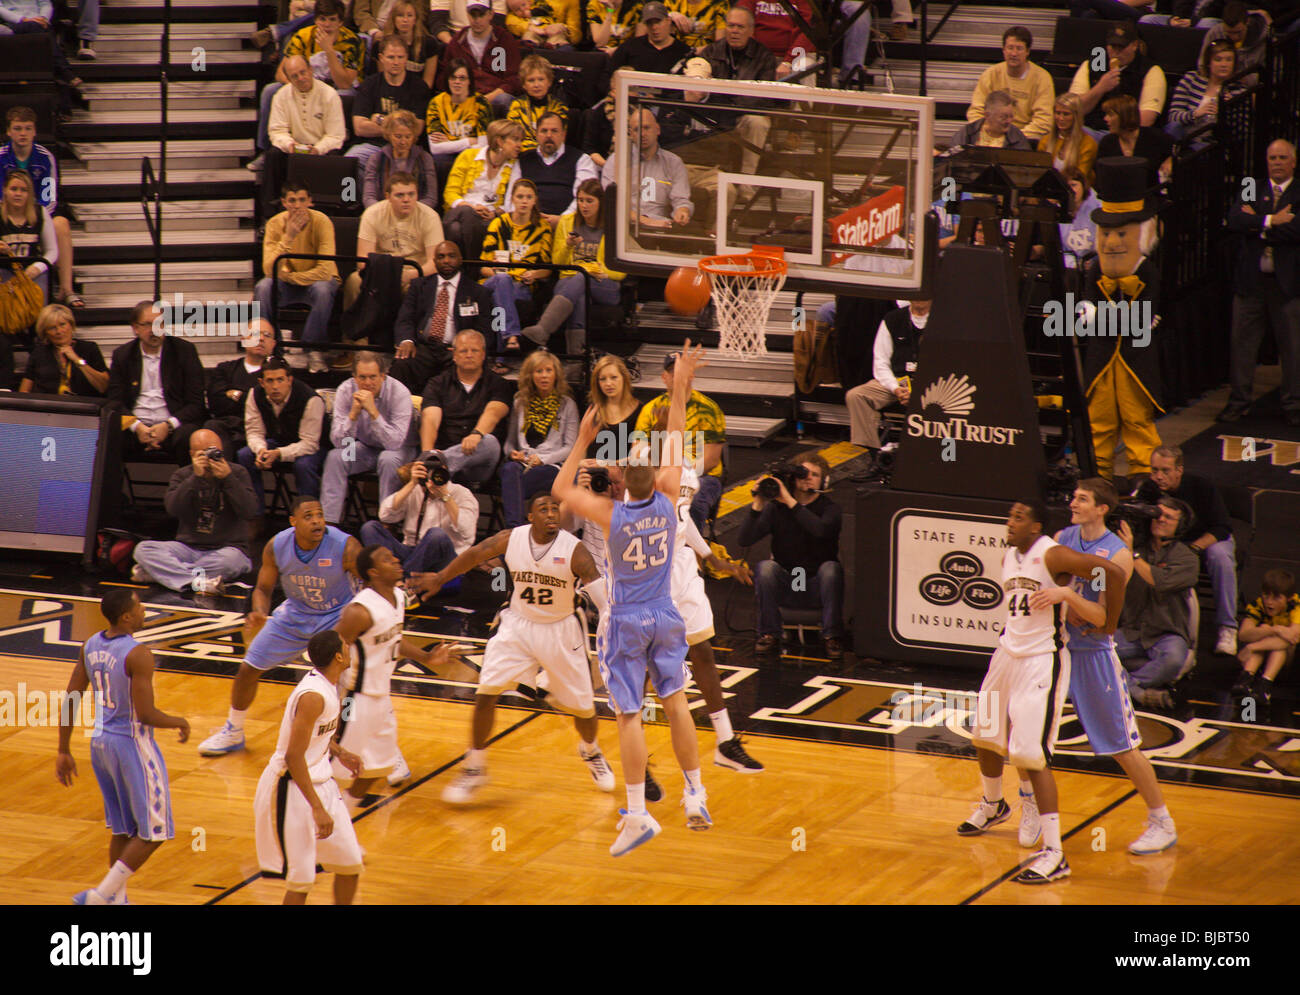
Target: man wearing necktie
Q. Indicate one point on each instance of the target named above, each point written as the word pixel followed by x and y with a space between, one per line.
pixel 1267 282
pixel 1123 371
pixel 434 309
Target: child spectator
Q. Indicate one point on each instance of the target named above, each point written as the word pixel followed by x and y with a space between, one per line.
pixel 1268 635
pixel 538 79
pixel 39 163
pixel 333 51
pixel 545 23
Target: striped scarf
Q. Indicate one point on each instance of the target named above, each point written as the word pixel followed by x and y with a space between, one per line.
pixel 540 417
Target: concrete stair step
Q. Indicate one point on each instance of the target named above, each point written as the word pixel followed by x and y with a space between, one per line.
pixel 977 24
pixel 146 117
pixel 227 280
pixel 200 154
pixel 131 177
pixel 126 216
pixel 170 236
pixel 821 413
pixel 745 430
pixel 760 373
pixel 178 53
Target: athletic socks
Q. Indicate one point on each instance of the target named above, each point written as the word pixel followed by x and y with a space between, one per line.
pixel 114 881
pixel 722 725
pixel 476 759
pixel 1051 823
pixel 1161 813
pixel 992 789
pixel 693 782
pixel 236 718
pixel 636 799
pixel 1026 786
pixel 587 749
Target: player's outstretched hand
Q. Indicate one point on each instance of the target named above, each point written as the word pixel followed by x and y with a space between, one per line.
pixel 690 359
pixel 65 769
pixel 324 823
pixel 425 585
pixel 1047 597
pixel 445 653
pixel 588 429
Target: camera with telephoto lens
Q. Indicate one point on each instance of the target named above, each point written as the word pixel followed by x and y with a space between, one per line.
pixel 1138 514
pixel 437 467
pixel 788 473
pixel 598 479
pixel 214 455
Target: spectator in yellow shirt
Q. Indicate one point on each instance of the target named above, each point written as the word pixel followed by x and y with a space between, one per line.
pixel 1030 86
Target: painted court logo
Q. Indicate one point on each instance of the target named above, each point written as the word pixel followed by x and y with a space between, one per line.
pixel 960 578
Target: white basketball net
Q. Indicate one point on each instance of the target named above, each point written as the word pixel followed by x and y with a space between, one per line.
pixel 743 298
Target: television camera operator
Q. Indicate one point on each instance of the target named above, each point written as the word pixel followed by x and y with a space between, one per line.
pixel 804 570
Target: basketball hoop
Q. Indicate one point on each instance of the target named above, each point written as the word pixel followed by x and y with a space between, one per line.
pixel 743 286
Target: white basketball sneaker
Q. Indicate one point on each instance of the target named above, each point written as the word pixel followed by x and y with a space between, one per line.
pixel 1158 836
pixel 401 772
pixel 697 816
pixel 634 830
pixel 1031 827
pixel 600 769
pixel 463 789
pixel 1048 865
pixel 225 740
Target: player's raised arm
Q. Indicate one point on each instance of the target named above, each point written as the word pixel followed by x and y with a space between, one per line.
pixel 669 479
pixel 65 768
pixel 140 668
pixel 1062 559
pixel 310 707
pixel 427 585
pixel 593 507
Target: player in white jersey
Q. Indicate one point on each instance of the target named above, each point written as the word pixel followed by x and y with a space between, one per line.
pixel 371 625
pixel 1021 698
pixel 299 814
pixel 540 627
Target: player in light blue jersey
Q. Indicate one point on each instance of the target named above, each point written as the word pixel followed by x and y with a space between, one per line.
pixel 126 760
pixel 315 563
pixel 643 631
pixel 1097 685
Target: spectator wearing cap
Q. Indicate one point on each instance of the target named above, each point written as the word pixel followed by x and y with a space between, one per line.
pixel 1130 73
pixel 1030 86
pixel 659 173
pixel 656 51
pixel 706 433
pixel 557 169
pixel 994 129
pixel 448 17
pixel 283 420
pixel 492 55
pixel 232 380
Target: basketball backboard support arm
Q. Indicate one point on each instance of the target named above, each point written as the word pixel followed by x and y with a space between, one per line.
pixel 841 180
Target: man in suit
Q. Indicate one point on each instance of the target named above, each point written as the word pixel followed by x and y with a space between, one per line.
pixel 231 382
pixel 1268 282
pixel 433 311
pixel 155 382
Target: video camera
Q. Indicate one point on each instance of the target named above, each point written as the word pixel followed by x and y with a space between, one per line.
pixel 1138 514
pixel 787 473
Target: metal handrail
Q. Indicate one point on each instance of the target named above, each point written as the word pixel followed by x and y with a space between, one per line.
pixel 151 189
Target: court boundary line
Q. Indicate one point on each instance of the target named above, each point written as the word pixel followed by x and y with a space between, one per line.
pixel 386 799
pixel 1132 793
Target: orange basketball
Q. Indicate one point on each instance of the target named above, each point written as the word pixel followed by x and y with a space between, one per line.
pixel 687 290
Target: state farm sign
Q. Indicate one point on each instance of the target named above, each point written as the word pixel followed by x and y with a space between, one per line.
pixel 868 224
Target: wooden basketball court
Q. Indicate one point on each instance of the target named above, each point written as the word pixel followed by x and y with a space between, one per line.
pixel 825 823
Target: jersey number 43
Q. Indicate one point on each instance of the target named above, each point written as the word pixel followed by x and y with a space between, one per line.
pixel 635 554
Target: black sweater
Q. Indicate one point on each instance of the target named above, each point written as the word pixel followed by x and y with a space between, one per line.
pixel 806 535
pixel 1206 503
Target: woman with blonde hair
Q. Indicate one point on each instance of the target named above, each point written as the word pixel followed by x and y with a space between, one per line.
pixel 61 363
pixel 26 231
pixel 543 428
pixel 400 155
pixel 1069 144
pixel 616 408
pixel 481 186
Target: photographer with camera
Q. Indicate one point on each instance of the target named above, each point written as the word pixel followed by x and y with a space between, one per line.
pixel 1215 541
pixel 213 502
pixel 1155 631
pixel 439 518
pixel 805 569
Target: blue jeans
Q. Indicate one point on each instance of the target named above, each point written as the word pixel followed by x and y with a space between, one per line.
pixel 1153 668
pixel 88 22
pixel 518 485
pixel 774 589
pixel 603 291
pixel 478 465
pixel 176 566
pixel 334 479
pixel 433 552
pixel 306 473
pixel 856 39
pixel 709 494
pixel 319 296
pixel 507 292
pixel 1221 565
